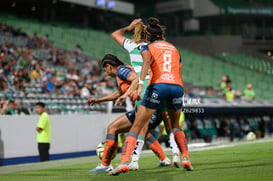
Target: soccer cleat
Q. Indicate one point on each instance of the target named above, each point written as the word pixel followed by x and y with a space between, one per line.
pixel 133 166
pixel 101 168
pixel 165 162
pixel 187 164
pixel 176 160
pixel 121 168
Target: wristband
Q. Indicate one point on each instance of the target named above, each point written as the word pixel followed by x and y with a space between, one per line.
pixel 141 82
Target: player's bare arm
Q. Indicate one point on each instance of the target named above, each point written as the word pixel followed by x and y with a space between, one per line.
pixel 118 34
pixel 91 101
pixel 146 55
pixel 133 78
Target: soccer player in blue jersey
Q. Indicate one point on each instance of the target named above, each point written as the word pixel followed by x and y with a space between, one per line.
pixel 128 81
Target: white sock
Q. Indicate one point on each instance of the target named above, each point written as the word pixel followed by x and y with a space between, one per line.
pixel 137 151
pixel 173 145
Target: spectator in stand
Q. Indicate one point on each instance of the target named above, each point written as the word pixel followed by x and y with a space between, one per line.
pixel 17 87
pixel 86 70
pixel 223 84
pixel 89 80
pixel 71 88
pixel 25 75
pixel 24 59
pixel 69 74
pixel 67 60
pixel 74 75
pixel 77 53
pixel 86 90
pixel 79 75
pixel 35 74
pixel 59 59
pixel 229 95
pixel 9 108
pixel 191 93
pixel 50 82
pixel 95 68
pixel 59 84
pixel 78 49
pixel 249 93
pixel 52 57
pixel 30 43
pixel 2 103
pixel 3 85
pixel 71 58
pixel 3 82
pixel 7 69
pixel 44 87
pixel 210 93
pixel 110 82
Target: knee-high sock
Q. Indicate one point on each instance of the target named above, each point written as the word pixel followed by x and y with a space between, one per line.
pixel 181 142
pixel 173 145
pixel 137 150
pixel 110 148
pixel 155 147
pixel 128 147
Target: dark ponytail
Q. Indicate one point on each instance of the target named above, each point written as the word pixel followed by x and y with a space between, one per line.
pixel 154 30
pixel 112 60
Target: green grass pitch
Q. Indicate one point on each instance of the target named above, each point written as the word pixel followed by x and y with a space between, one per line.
pixel 251 161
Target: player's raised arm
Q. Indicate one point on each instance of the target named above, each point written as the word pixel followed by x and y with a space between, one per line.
pixel 118 34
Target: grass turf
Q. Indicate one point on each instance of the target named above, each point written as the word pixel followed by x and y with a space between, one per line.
pixel 249 162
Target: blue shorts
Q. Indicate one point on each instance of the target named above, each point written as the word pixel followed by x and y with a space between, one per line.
pixel 154 121
pixel 156 94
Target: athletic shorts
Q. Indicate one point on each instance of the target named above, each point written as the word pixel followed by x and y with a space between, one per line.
pixel 156 94
pixel 154 121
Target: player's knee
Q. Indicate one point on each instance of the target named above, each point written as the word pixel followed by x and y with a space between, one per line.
pixel 112 129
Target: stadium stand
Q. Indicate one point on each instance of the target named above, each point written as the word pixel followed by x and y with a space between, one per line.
pixel 246 61
pixel 19 53
pixel 94 44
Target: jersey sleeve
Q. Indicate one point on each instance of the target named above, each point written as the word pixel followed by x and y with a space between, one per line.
pixel 123 72
pixel 144 48
pixel 128 45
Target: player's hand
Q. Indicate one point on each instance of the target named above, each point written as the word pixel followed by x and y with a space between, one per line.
pixel 138 93
pixel 91 101
pixel 120 100
pixel 133 24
